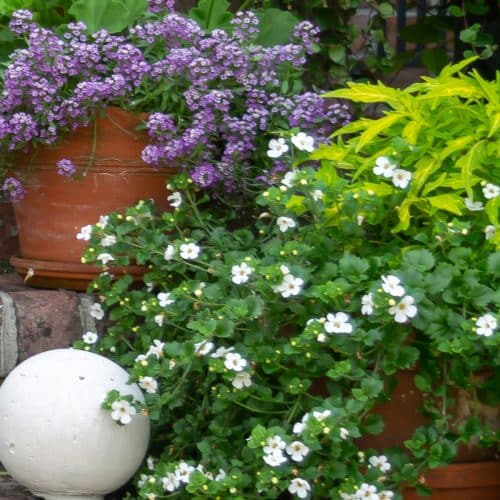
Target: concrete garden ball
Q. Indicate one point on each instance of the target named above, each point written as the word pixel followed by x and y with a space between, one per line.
pixel 55 438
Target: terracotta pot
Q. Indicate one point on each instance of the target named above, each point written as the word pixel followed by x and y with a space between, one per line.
pixel 110 177
pixel 465 481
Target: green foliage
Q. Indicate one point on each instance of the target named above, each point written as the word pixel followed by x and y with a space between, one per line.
pixel 286 333
pixel 113 15
pixel 211 14
pixel 453 164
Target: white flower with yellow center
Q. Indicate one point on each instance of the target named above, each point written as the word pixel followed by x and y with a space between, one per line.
pixel 290 286
pixel 491 191
pixel 105 258
pixel 303 142
pixel 122 411
pixel 233 361
pixel 380 463
pixel 285 223
pixel 299 487
pixel 149 384
pixel 240 273
pixel 108 240
pixel 85 233
pixel 96 311
pixel 473 206
pixel 367 304
pixel 241 380
pixel 274 444
pixel 189 251
pixel 337 323
pixel 156 349
pixel 401 178
pixel 288 179
pixel 169 253
pixel 277 147
pixel 297 451
pixel 391 285
pixel 384 167
pixel 404 309
pixel 203 348
pixel 164 299
pixel 486 325
pixel 90 337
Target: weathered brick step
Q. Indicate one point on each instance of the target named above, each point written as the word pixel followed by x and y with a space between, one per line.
pixel 37 320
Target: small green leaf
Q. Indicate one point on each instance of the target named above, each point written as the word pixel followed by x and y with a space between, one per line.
pixel 449 202
pixel 421 259
pixel 211 14
pixel 276 27
pixel 337 54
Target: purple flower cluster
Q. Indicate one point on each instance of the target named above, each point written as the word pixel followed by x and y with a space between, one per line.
pixel 213 98
pixel 66 167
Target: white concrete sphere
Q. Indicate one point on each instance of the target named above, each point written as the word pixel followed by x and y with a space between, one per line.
pixel 55 439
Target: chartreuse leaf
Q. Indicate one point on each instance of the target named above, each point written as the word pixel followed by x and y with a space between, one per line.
pixel 366 92
pixel 436 183
pixel 424 168
pixel 404 214
pixel 211 14
pixel 379 189
pixel 451 69
pixel 455 145
pixel 492 208
pixel 376 127
pixel 330 152
pixel 449 202
pixel 468 162
pixel 452 87
pixel 411 130
pixel 489 88
pixel 494 123
pixel 113 15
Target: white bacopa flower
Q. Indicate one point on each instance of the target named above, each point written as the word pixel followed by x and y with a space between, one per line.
pixel 240 273
pixel 284 269
pixel 366 491
pixel 105 258
pixel 337 323
pixel 122 411
pixel 321 415
pixel 241 380
pixel 401 178
pixel 491 191
pixel 384 167
pixel 386 495
pixel 164 299
pixel 96 311
pixel 169 252
pixel 277 147
pixel 321 337
pixel 380 462
pixel 183 471
pixel 189 251
pixel 303 142
pixel 299 487
pixel 156 349
pixel 473 206
pixel 404 309
pixel 298 427
pixel 274 459
pixel 150 463
pixel 290 286
pixel 143 480
pixel 297 451
pixel 344 433
pixel 285 223
pixel 149 384
pixel 85 233
pixel 233 361
pixel 391 285
pixel 486 325
pixel 170 482
pixel 108 240
pixel 274 444
pixel 367 304
pixel 140 358
pixel 288 179
pixel 90 337
pixel 221 352
pixel 317 195
pixel 221 475
pixel 175 199
pixel 159 318
pixel 489 231
pixel 103 221
pixel 203 348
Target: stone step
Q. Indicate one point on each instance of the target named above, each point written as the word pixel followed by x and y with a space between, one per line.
pixel 36 320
